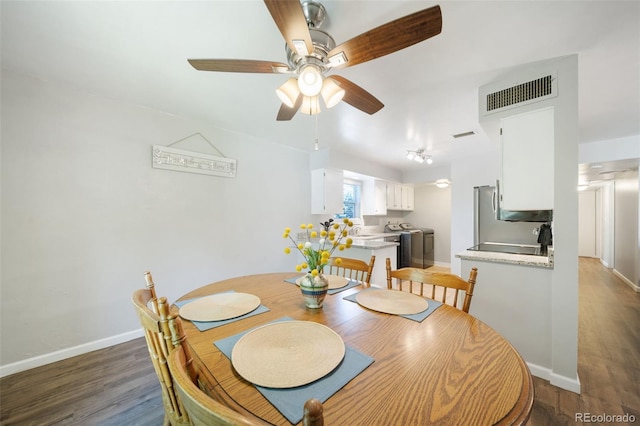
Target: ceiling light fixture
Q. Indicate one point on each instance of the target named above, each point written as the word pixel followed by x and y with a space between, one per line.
pixel 331 92
pixel 288 92
pixel 442 183
pixel 310 105
pixel 310 80
pixel 419 156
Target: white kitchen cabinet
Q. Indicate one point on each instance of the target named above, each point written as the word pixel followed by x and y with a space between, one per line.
pixel 374 197
pixel 407 198
pixel 527 160
pixel 394 196
pixel 327 191
pixel 400 197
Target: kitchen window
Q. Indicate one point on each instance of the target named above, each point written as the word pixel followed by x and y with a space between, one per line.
pixel 351 201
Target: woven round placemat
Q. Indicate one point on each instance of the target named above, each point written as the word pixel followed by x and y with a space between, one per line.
pixel 287 354
pixel 335 281
pixel 391 301
pixel 219 306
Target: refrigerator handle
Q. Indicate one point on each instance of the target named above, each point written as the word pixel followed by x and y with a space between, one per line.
pixel 493 200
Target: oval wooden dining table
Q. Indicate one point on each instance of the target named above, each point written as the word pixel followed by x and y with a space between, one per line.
pixel 449 369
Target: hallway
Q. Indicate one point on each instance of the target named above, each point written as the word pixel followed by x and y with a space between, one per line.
pixel 608 353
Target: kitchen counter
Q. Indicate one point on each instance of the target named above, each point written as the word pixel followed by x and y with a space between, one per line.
pixel 510 258
pixel 371 244
pixel 363 249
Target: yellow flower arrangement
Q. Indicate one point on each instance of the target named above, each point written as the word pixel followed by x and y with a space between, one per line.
pixel 332 236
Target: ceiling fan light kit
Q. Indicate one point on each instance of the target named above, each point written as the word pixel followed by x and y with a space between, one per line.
pixel 310 80
pixel 288 92
pixel 311 53
pixel 310 105
pixel 331 92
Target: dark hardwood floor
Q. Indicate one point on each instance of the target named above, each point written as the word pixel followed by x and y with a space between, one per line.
pixel 117 385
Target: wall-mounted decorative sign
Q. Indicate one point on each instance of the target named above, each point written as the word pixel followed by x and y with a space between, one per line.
pixel 165 157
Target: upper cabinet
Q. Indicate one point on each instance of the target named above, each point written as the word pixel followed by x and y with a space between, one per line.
pixel 394 196
pixel 407 197
pixel 374 197
pixel 327 191
pixel 400 197
pixel 527 160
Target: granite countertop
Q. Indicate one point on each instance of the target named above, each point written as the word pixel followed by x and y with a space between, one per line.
pixel 371 244
pixel 514 259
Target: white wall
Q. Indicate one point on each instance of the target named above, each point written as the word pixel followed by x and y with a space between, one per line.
pixel 84 215
pixel 607 238
pixel 587 231
pixel 627 242
pixel 562 283
pixel 433 210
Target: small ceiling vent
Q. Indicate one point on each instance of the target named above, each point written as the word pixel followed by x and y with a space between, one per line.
pixel 521 94
pixel 465 134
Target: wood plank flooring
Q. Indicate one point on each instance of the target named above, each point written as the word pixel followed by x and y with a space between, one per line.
pixel 117 385
pixel 608 353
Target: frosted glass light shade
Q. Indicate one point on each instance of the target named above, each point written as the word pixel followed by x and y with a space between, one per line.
pixel 310 80
pixel 331 92
pixel 288 92
pixel 310 105
pixel 442 183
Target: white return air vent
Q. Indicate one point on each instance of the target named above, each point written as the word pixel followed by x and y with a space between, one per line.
pixel 521 94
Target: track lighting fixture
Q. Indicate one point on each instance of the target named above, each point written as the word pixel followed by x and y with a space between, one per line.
pixel 419 156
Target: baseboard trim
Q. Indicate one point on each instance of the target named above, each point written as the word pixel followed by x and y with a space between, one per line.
pixel 566 383
pixel 38 361
pixel 557 380
pixel 605 264
pixel 626 280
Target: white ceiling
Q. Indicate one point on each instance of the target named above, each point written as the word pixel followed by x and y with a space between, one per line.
pixel 137 52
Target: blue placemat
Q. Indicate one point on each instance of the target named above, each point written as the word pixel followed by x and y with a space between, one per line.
pixel 207 325
pixel 352 283
pixel 420 316
pixel 290 402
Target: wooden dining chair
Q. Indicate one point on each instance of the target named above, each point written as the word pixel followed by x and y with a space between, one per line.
pixel 215 407
pixel 437 282
pixel 354 269
pixel 154 316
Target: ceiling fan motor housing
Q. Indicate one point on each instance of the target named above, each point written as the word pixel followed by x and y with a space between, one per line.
pixel 323 43
pixel 314 12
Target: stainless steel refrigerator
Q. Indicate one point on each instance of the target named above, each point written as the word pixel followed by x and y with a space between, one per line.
pixel 488 229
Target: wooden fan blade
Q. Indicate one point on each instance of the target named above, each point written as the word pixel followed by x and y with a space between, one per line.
pixel 239 65
pixel 286 113
pixel 357 97
pixel 390 37
pixel 291 22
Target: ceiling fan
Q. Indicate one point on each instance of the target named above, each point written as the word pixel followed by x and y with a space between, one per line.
pixel 312 53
